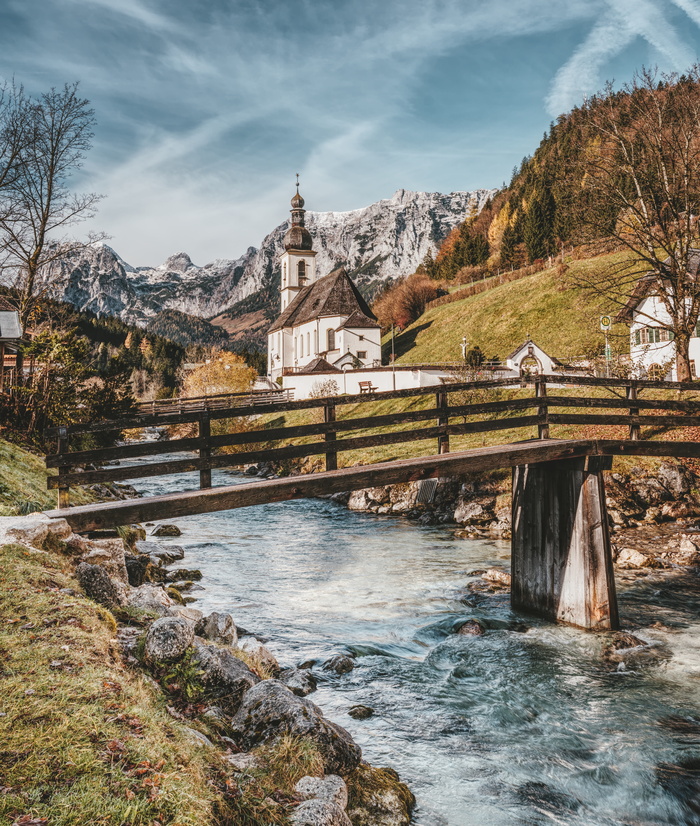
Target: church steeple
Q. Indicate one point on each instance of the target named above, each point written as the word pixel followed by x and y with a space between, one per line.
pixel 297 260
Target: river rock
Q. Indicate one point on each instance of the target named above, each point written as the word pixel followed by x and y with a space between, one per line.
pixel 339 664
pixel 361 712
pixel 34 529
pixel 98 585
pixel 168 638
pixel 167 530
pixel 269 709
pixel 498 576
pixel 379 798
pixel 470 513
pixel 218 627
pixel 688 552
pixel 138 568
pixel 674 478
pixel 620 641
pixel 331 788
pixel 160 554
pixel 471 627
pixel 109 553
pixel 260 654
pixel 224 675
pixel 151 598
pixel 300 681
pixel 319 813
pixel 629 558
pixel 192 615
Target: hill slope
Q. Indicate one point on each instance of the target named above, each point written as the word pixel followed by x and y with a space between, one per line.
pixel 562 319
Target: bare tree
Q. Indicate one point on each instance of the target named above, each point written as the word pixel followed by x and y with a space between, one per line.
pixel 641 185
pixel 49 137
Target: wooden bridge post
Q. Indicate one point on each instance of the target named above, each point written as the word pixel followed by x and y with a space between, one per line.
pixel 443 420
pixel 329 416
pixel 204 450
pixel 635 429
pixel 561 558
pixel 63 490
pixel 541 393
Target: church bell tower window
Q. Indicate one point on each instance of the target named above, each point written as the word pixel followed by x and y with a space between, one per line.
pixel 301 272
pixel 331 339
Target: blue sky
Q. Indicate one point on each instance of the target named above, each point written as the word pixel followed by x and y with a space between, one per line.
pixel 207 108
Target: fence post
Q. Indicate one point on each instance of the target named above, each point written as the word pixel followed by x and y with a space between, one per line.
pixel 443 420
pixel 63 490
pixel 329 416
pixel 204 450
pixel 542 410
pixel 635 429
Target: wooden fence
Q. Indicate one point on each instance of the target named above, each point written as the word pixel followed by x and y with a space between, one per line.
pixel 541 410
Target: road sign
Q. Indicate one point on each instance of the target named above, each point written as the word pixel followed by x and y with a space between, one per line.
pixel 605 323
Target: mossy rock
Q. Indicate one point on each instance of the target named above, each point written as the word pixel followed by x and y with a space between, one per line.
pixel 377 797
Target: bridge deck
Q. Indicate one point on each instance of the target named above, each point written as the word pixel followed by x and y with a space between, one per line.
pixel 167 506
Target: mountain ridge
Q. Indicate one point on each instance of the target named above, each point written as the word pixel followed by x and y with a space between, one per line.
pixel 382 241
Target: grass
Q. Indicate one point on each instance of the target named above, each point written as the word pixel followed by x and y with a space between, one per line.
pixel 562 319
pixel 23 483
pixel 85 739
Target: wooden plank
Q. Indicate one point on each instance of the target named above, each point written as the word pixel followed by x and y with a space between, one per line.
pixel 635 429
pixel 541 393
pixel 167 506
pixel 443 443
pixel 647 447
pixel 616 419
pixel 204 451
pixel 594 381
pixel 617 402
pixel 330 437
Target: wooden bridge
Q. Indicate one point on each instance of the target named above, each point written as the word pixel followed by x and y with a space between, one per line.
pixel 562 563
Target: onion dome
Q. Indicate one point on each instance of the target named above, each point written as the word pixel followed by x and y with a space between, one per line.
pixel 298 238
pixel 297 200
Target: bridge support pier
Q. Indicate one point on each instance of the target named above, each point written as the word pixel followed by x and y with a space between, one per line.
pixel 561 558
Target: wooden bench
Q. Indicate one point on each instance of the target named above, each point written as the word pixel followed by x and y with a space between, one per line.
pixel 366 387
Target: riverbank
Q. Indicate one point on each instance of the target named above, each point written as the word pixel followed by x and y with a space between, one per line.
pixel 131 689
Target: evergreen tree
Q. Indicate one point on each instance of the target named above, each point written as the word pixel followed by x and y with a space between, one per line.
pixel 538 229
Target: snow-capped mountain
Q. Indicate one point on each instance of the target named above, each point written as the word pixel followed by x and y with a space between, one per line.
pixel 384 240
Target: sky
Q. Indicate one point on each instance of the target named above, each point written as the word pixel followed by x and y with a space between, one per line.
pixel 206 109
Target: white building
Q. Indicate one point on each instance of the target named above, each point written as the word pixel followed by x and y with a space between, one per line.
pixel 324 317
pixel 530 359
pixel 652 348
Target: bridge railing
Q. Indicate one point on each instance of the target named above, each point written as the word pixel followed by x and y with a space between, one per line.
pixel 623 407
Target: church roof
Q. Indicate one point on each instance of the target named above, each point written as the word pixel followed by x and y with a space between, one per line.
pixel 359 321
pixel 318 365
pixel 334 294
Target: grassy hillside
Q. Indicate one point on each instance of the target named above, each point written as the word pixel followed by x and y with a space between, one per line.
pixel 23 483
pixel 562 319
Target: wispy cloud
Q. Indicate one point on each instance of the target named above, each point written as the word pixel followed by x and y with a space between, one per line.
pixel 207 108
pixel 620 24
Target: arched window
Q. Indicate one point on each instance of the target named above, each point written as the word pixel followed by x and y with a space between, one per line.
pixel 301 272
pixel 284 273
pixel 301 346
pixel 331 339
pixel 308 344
pixel 315 342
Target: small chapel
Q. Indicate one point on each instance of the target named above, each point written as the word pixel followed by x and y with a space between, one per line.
pixel 325 324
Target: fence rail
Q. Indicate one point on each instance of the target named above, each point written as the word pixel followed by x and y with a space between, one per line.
pixel 263 445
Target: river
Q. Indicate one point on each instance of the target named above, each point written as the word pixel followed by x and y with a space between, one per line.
pixel 523 725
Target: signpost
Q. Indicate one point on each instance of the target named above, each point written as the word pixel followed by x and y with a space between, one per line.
pixel 605 325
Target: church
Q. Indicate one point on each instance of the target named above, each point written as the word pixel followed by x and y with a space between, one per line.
pixel 325 324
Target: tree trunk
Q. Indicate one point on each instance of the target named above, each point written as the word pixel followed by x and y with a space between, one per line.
pixel 683 358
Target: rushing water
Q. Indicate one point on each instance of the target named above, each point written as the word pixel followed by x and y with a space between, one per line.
pixel 524 725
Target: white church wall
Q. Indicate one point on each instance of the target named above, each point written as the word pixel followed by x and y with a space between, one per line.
pixel 348 381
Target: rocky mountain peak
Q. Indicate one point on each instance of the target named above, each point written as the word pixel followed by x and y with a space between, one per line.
pixel 180 262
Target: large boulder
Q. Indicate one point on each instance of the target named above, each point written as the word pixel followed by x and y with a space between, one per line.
pixel 674 478
pixel 218 627
pixel 151 598
pixel 99 586
pixel 109 553
pixel 324 802
pixel 300 681
pixel 33 530
pixel 168 638
pixel 270 709
pixel 378 798
pixel 166 530
pixel 260 654
pixel 160 554
pixel 223 674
